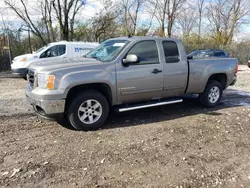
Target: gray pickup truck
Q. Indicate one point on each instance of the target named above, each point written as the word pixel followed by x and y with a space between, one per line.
pixel 125 74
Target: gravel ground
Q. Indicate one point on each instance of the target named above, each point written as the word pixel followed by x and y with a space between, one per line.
pixel 181 145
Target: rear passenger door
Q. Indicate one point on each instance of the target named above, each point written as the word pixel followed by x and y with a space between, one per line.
pixel 175 69
pixel 143 80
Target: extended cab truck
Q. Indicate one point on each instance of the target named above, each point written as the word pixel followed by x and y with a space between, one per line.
pixel 53 52
pixel 126 73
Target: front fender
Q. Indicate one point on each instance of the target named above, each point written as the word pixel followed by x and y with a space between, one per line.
pixel 74 79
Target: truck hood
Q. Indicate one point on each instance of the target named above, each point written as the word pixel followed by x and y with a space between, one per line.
pixel 62 64
pixel 25 55
pixel 29 57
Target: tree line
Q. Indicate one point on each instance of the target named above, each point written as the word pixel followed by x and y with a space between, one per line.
pixel 200 24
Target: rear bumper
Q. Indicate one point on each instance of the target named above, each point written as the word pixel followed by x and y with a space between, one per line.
pixel 234 81
pixel 45 108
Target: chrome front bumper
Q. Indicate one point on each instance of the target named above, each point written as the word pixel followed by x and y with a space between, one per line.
pixel 20 71
pixel 46 107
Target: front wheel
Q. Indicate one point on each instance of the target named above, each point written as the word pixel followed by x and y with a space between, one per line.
pixel 88 111
pixel 212 94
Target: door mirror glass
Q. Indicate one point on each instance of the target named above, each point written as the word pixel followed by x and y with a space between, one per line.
pixel 130 59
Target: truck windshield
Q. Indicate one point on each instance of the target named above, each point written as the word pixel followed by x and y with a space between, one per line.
pixel 40 49
pixel 108 50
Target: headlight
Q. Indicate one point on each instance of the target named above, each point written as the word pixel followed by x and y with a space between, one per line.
pixel 41 80
pixel 23 59
pixel 46 81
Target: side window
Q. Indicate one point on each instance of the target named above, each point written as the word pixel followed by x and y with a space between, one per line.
pixel 209 54
pixel 220 54
pixel 61 49
pixel 146 51
pixel 171 52
pixel 54 51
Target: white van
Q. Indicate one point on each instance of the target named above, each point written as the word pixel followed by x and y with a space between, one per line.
pixel 52 51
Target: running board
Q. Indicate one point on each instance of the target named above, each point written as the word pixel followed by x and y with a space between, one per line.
pixel 136 107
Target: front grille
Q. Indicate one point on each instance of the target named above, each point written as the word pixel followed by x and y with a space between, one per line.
pixel 31 77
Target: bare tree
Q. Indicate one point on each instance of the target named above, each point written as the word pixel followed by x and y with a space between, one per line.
pixel 160 10
pixel 226 17
pixel 200 4
pixel 66 11
pixel 187 23
pixel 47 10
pixel 173 9
pixel 166 13
pixel 104 26
pixel 24 15
pixel 130 9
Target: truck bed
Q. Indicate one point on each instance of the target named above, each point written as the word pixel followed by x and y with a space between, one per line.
pixel 200 71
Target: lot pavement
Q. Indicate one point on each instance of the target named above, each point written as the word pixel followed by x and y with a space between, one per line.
pixel 181 145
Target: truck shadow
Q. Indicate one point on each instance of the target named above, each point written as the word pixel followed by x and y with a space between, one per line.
pixel 190 106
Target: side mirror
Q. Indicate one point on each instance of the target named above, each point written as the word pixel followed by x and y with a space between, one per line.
pixel 130 59
pixel 190 57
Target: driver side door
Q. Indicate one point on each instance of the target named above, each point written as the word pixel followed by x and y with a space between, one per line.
pixel 144 80
pixel 54 53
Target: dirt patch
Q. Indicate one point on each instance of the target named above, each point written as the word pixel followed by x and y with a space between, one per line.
pixel 182 145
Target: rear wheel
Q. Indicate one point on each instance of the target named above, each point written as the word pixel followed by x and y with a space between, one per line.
pixel 212 94
pixel 88 111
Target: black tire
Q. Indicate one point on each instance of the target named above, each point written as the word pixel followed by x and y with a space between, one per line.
pixel 24 77
pixel 82 98
pixel 205 99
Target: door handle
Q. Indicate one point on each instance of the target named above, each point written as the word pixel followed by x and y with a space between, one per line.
pixel 156 71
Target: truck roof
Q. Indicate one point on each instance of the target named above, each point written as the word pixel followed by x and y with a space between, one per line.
pixel 76 43
pixel 136 38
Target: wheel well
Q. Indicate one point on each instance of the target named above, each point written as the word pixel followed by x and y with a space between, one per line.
pixel 104 89
pixel 222 78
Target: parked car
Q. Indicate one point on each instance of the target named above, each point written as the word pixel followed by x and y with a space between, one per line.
pixel 51 52
pixel 126 74
pixel 208 53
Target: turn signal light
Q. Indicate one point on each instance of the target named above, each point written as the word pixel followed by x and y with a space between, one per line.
pixel 50 81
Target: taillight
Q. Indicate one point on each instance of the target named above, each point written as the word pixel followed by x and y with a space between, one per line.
pixel 236 69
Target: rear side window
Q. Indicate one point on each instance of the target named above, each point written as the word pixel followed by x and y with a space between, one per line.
pixel 171 52
pixel 146 51
pixel 220 54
